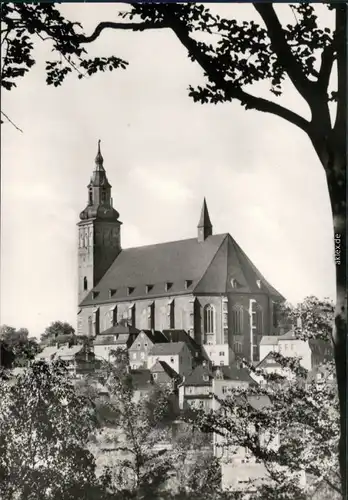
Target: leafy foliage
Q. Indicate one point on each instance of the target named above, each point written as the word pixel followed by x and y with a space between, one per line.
pixel 57 329
pixel 17 347
pixel 44 429
pixel 289 420
pixel 22 25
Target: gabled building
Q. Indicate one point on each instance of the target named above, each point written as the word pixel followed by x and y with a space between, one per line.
pixel 112 339
pixel 205 285
pixel 142 345
pixel 176 354
pixel 196 388
pixel 164 376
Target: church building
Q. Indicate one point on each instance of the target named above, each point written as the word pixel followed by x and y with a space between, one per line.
pixel 205 285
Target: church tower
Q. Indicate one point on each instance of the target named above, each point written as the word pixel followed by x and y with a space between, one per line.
pixel 204 227
pixel 98 230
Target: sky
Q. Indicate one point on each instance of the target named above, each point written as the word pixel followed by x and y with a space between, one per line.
pixel 163 153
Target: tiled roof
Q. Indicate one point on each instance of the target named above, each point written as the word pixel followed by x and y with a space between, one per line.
pixel 209 266
pixel 269 340
pixel 118 329
pixel 268 361
pixel 198 376
pixel 68 352
pixel 105 340
pixel 169 348
pixel 155 336
pixel 233 372
pixel 173 335
pixel 163 367
pixel 290 335
pixel 47 353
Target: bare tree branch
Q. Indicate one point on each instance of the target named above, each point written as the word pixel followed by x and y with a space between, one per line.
pixel 327 59
pixel 12 123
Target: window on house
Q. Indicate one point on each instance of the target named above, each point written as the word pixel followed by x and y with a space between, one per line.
pixel 134 355
pixel 154 375
pixel 172 360
pixel 237 319
pixel 142 355
pixel 145 345
pixel 138 344
pixel 85 283
pixel 224 389
pixel 222 363
pixel 221 353
pixel 151 316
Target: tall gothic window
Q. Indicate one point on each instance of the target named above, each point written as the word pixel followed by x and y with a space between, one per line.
pixel 171 314
pixel 96 321
pixel 151 316
pixel 131 315
pixel 257 318
pixel 209 324
pixel 90 326
pixel 225 319
pixel 113 316
pixel 90 196
pixel 237 319
pixel 85 283
pixel 275 314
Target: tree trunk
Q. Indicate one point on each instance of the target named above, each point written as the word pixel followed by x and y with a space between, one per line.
pixel 336 176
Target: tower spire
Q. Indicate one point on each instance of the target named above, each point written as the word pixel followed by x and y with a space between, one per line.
pixel 99 160
pixel 205 227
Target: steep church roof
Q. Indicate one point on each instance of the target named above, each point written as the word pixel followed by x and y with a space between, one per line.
pixel 215 265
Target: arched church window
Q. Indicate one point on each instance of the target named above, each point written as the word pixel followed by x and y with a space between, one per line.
pixel 90 326
pixel 103 196
pixel 90 196
pixel 257 318
pixel 85 283
pixel 237 319
pixel 209 319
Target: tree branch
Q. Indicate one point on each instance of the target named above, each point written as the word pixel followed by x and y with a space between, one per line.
pixel 12 123
pixel 283 51
pixel 231 90
pixel 120 26
pixel 327 60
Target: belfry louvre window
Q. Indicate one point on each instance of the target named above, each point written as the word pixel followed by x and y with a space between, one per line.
pixel 237 319
pixel 151 316
pixel 209 319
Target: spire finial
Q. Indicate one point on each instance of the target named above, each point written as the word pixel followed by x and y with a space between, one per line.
pixel 99 160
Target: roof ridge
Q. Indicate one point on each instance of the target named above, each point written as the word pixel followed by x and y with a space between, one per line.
pixel 210 263
pixel 170 242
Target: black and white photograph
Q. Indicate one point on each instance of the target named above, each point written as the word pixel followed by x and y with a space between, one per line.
pixel 173 303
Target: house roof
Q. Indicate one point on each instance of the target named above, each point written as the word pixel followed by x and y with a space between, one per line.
pixel 119 329
pixel 173 335
pixel 233 372
pixel 189 265
pixel 198 375
pixel 155 336
pixel 47 353
pixel 269 340
pixel 290 335
pixel 105 340
pixel 163 367
pixel 68 352
pixel 268 361
pixel 168 348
